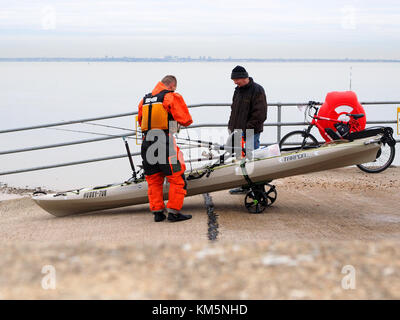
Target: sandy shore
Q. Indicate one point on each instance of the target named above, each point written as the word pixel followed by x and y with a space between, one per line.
pixel 323 228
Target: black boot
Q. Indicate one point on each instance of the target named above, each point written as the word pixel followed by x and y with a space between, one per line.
pixel 175 217
pixel 159 216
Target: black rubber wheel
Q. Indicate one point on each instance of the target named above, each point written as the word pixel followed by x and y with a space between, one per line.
pixel 384 159
pixel 271 194
pixel 256 201
pixel 294 140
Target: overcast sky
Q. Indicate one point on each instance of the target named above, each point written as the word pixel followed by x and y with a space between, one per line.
pixel 218 28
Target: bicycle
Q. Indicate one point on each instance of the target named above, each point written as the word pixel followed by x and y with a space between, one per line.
pixel 303 139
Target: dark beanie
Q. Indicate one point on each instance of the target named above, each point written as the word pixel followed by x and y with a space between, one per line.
pixel 239 72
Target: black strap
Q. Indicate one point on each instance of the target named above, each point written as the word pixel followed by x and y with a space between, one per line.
pixel 149 118
pixel 245 174
pixel 162 93
pixel 160 98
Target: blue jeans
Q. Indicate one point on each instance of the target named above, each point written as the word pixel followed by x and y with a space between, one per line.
pixel 256 138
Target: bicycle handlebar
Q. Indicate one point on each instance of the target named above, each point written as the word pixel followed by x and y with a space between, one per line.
pixel 313 105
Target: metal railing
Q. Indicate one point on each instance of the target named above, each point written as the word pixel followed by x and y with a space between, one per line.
pixel 279 124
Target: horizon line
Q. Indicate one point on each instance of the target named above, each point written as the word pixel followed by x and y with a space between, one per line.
pixel 188 59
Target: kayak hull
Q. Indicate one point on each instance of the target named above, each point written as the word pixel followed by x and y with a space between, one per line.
pixel 332 156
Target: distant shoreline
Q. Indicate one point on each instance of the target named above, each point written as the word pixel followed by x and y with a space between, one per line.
pixel 188 59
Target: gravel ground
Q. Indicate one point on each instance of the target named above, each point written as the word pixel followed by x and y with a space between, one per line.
pixel 331 235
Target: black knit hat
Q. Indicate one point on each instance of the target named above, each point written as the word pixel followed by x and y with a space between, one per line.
pixel 239 72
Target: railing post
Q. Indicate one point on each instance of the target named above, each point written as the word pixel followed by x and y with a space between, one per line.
pixel 279 120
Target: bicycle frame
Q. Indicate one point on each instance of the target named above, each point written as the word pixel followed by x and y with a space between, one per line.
pixel 351 132
pixel 322 131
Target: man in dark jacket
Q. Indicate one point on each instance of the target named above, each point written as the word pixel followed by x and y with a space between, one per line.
pixel 249 105
pixel 248 111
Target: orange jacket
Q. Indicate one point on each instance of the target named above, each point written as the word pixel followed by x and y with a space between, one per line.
pixel 173 103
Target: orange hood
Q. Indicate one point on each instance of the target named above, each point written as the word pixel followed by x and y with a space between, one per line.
pixel 158 88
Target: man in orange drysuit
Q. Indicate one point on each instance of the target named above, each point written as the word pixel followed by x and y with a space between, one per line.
pixel 159 112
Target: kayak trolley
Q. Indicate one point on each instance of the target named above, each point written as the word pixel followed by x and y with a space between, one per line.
pixel 260 197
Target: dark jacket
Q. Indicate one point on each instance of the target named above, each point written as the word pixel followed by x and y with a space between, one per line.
pixel 249 108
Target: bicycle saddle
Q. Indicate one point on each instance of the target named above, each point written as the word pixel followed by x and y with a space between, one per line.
pixel 356 116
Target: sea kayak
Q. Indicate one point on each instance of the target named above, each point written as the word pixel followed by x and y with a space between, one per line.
pixel 225 176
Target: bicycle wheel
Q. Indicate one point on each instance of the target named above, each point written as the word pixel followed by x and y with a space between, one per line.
pixel 384 159
pixel 294 140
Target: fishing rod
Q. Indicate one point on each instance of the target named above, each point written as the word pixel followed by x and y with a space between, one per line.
pixel 188 141
pixel 134 173
pixel 107 135
pixel 134 176
pixel 213 157
pixel 108 126
pixel 194 145
pixel 229 146
pixel 88 132
pixel 198 143
pixel 202 143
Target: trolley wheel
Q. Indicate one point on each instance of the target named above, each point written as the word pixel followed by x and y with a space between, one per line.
pixel 256 201
pixel 260 197
pixel 271 194
pixel 384 159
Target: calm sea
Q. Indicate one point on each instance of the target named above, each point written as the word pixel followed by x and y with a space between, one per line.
pixel 38 93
